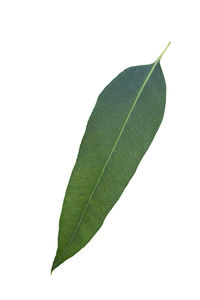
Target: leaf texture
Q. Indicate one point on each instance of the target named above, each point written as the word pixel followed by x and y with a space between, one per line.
pixel 120 129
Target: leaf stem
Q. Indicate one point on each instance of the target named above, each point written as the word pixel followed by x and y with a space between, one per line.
pixel 159 58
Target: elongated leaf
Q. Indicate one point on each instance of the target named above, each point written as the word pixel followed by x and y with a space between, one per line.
pixel 121 127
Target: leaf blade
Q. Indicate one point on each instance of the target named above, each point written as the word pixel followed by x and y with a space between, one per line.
pixel 108 136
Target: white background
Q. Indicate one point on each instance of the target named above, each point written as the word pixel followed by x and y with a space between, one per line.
pixel 55 58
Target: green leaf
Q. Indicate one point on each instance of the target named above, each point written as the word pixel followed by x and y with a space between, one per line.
pixel 120 129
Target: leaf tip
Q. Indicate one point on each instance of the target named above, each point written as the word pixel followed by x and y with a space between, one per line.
pixel 53 267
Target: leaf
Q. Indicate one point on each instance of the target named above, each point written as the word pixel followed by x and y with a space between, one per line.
pixel 120 129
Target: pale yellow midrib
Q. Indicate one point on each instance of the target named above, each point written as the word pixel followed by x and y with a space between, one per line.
pixel 113 149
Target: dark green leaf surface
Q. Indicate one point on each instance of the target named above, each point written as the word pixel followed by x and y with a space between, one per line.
pixel 120 129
